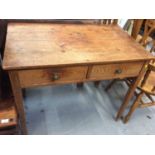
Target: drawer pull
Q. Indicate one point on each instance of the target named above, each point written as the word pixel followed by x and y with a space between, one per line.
pixel 55 77
pixel 118 71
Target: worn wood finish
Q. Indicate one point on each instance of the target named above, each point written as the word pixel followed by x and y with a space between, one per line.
pixel 105 22
pixel 3 27
pixel 38 77
pixel 45 45
pixel 67 53
pixel 118 70
pixel 17 91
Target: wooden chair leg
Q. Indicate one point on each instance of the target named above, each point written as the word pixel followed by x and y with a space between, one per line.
pixel 110 85
pixel 131 91
pixel 79 85
pixel 133 107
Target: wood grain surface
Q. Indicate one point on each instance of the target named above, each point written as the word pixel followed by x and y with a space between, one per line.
pixel 33 45
pixel 38 77
pixel 113 71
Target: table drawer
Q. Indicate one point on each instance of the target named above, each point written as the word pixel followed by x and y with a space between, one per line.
pixel 118 70
pixel 38 77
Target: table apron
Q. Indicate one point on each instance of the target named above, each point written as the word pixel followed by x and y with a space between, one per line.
pixel 65 75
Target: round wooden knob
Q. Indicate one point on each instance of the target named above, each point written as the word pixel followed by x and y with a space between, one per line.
pixel 55 76
pixel 118 71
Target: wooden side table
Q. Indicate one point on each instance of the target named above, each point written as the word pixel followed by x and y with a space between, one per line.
pixel 54 54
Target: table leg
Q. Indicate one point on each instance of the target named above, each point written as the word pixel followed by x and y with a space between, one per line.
pixel 17 91
pixel 133 107
pixel 131 91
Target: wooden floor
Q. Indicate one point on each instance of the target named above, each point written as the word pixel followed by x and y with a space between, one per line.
pixel 90 110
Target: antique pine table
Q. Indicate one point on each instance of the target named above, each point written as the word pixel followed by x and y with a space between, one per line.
pixel 38 54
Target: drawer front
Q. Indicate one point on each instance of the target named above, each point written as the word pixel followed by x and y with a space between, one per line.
pixel 111 71
pixel 38 77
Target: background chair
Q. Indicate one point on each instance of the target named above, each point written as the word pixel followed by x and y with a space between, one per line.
pixel 149 29
pixel 147 88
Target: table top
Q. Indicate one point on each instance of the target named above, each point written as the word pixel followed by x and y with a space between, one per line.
pixel 35 45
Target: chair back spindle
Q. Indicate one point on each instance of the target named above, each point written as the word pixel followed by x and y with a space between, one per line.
pixel 108 21
pixel 148 30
